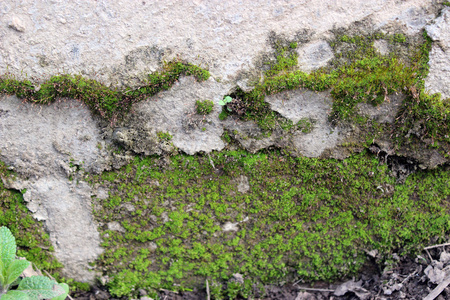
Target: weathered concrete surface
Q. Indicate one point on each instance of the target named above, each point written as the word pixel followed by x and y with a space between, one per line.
pixel 314 109
pixel 314 55
pixel 173 112
pixel 45 145
pixel 384 113
pixel 65 207
pixel 438 80
pixel 43 139
pixel 118 44
pixel 44 38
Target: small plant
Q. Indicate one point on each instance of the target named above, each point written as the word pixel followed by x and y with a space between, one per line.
pixel 28 288
pixel 233 105
pixel 204 107
pixel 225 101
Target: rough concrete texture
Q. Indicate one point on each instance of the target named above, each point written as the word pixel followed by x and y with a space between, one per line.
pixel 313 108
pixel 381 46
pixel 118 44
pixel 299 104
pixel 174 112
pixel 45 145
pixel 65 207
pixel 40 140
pixel 315 55
pixel 438 80
pixel 41 38
pixel 384 113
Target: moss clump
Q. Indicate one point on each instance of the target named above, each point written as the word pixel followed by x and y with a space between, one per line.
pixel 109 103
pixel 204 107
pixel 305 125
pixel 301 217
pixel 359 73
pixel 164 136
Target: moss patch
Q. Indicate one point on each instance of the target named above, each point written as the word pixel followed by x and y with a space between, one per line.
pixel 109 103
pixel 302 218
pixel 204 107
pixel 359 73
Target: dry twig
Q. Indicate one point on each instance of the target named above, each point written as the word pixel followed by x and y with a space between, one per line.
pixel 207 290
pixel 316 290
pixel 438 290
pixel 436 246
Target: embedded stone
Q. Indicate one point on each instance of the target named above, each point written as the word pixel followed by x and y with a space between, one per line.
pixel 314 55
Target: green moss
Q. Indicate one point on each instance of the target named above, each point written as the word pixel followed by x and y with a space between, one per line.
pixel 359 74
pixel 204 107
pixel 164 136
pixel 302 218
pixel 286 59
pixel 223 114
pixel 109 103
pixel 305 125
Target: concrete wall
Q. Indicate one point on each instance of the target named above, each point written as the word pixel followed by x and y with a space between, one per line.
pixel 119 42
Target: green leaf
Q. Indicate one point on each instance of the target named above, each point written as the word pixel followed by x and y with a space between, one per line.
pixel 222 102
pixel 15 282
pixel 40 287
pixel 66 290
pixel 2 279
pixel 15 295
pixel 7 248
pixel 15 269
pixel 227 99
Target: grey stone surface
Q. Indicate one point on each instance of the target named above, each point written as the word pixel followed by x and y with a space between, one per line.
pixel 384 113
pixel 414 18
pixel 243 185
pixel 314 55
pixel 228 226
pixel 314 108
pixel 46 38
pixel 315 143
pixel 43 144
pixel 43 139
pixel 299 104
pixel 173 111
pixel 439 31
pixel 65 208
pixel 381 46
pixel 438 80
pixel 115 226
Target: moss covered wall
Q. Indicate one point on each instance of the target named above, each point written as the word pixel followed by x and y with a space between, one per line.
pixel 325 147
